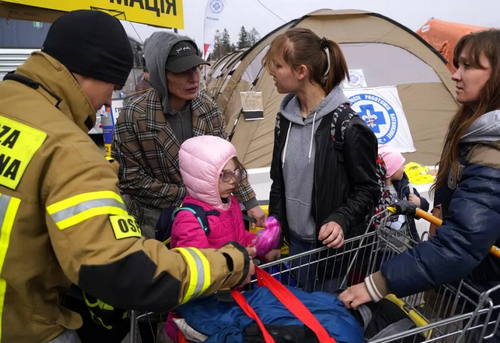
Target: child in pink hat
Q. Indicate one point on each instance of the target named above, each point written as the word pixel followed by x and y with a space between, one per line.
pixel 398 183
pixel 210 171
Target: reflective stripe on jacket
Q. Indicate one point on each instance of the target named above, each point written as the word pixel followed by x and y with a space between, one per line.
pixel 63 221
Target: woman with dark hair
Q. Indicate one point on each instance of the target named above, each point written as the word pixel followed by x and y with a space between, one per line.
pixel 320 194
pixel 469 183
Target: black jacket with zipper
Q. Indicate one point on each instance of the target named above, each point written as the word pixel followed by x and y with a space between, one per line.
pixel 345 182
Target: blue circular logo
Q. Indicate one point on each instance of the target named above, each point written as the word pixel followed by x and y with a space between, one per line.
pixel 216 6
pixel 378 114
pixel 355 79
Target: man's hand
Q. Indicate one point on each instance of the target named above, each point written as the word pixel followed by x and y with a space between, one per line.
pixel 273 255
pixel 251 272
pixel 259 215
pixel 332 235
pixel 354 296
pixel 251 251
pixel 414 199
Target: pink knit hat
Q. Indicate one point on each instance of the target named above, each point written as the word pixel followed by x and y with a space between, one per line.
pixel 393 159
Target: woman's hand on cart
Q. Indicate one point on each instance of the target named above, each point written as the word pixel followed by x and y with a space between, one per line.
pixel 355 295
pixel 332 235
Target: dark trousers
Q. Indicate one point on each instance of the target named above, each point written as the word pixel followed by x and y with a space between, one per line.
pixel 306 274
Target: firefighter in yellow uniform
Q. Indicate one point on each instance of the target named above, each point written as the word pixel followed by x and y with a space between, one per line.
pixel 62 219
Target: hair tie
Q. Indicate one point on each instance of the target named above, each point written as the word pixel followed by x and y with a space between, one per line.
pixel 324 47
pixel 324 43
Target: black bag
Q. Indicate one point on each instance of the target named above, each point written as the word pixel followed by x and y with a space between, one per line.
pixel 388 319
pixel 280 334
pixel 383 319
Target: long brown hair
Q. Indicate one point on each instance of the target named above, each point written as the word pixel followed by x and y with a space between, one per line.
pixel 300 46
pixel 483 43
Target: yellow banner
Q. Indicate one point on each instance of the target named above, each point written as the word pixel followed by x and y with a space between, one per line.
pixel 162 13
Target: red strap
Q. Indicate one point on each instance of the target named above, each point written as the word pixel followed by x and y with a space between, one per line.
pixel 240 299
pixel 293 304
pixel 181 338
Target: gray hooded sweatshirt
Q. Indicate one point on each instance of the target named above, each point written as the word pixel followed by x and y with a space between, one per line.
pixel 157 48
pixel 298 160
pixel 485 129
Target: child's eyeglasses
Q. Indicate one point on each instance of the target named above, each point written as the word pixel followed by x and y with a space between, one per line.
pixel 227 175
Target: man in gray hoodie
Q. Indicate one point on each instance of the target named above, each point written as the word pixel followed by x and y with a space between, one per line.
pixel 151 128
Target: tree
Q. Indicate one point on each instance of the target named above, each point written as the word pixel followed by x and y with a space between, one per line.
pixel 217 46
pixel 222 44
pixel 254 36
pixel 225 42
pixel 243 39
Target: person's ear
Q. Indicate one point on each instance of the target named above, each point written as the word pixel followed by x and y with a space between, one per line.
pixel 302 72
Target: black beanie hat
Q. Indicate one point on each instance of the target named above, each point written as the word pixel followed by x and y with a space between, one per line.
pixel 91 43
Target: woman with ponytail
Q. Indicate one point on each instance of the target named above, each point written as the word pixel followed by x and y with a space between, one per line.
pixel 319 199
pixel 468 184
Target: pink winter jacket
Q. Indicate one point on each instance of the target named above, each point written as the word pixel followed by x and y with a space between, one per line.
pixel 201 159
pixel 228 226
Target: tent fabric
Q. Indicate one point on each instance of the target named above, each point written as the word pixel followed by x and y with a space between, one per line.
pixel 220 70
pixel 444 35
pixel 389 55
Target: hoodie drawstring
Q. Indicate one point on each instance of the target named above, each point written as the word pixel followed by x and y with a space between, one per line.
pixel 286 146
pixel 283 157
pixel 312 138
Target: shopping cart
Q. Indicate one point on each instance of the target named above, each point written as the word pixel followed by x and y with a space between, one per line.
pixel 149 325
pixel 455 312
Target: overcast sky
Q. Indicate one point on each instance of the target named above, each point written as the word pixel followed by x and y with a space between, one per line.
pixel 251 13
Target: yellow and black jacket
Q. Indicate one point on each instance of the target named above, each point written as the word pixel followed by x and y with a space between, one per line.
pixel 62 220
